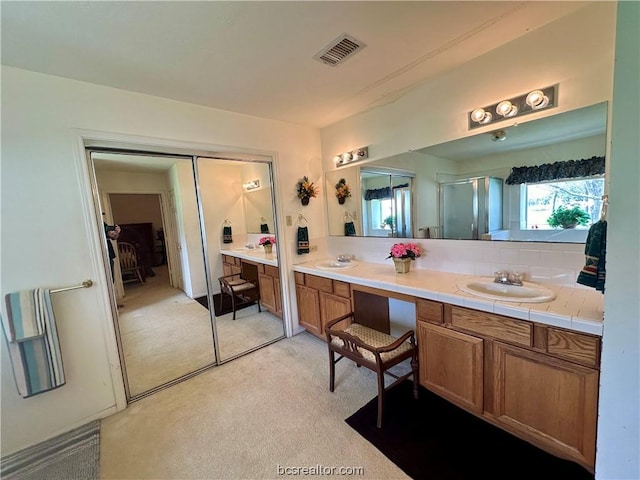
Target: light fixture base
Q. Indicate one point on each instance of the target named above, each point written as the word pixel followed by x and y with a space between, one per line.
pixel 533 101
pixel 356 155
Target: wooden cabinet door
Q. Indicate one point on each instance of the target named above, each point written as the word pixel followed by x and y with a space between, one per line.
pixel 550 400
pixel 267 291
pixel 309 309
pixel 332 307
pixel 451 365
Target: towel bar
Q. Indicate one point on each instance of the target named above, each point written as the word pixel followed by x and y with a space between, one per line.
pixel 85 284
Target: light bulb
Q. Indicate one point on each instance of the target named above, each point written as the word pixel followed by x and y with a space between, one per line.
pixel 506 109
pixel 346 156
pixel 478 115
pixel 487 118
pixel 537 99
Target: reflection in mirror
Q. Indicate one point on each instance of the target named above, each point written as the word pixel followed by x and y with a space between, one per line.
pixel 163 333
pixel 164 328
pixel 243 278
pixel 542 149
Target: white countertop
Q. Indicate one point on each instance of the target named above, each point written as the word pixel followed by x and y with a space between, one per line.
pixel 255 255
pixel 576 308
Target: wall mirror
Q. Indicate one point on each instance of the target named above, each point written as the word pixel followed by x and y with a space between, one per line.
pixel 172 319
pixel 462 190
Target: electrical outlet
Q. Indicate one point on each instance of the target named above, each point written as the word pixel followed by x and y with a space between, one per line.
pixel 313 248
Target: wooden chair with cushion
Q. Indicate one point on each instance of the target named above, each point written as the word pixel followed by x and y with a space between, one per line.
pixel 373 349
pixel 128 258
pixel 241 291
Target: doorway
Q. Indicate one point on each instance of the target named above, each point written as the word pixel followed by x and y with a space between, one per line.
pixel 165 332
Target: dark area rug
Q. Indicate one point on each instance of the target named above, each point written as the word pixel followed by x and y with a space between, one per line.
pixel 226 304
pixel 430 438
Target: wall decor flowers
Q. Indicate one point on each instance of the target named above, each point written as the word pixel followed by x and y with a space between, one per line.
pixel 343 191
pixel 306 190
pixel 402 254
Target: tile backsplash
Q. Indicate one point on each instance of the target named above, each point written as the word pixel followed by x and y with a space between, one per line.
pixel 555 263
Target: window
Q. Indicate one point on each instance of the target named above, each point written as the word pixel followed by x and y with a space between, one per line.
pixel 542 199
pixel 381 210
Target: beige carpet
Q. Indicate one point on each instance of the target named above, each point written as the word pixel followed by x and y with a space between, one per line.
pixel 165 334
pixel 244 419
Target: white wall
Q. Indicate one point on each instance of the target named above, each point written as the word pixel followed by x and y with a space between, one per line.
pixel 619 421
pixel 577 55
pixel 49 237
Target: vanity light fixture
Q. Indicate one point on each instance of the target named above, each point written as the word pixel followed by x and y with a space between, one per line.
pixel 352 156
pixel 252 185
pixel 513 107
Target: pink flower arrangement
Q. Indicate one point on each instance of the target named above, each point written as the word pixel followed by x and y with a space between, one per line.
pixel 405 250
pixel 267 241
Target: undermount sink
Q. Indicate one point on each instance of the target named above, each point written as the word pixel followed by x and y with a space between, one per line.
pixel 335 264
pixel 527 293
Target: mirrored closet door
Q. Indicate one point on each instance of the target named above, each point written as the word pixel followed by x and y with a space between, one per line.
pixel 238 212
pixel 169 257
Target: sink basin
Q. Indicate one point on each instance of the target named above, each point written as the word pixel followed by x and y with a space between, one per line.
pixel 527 293
pixel 335 264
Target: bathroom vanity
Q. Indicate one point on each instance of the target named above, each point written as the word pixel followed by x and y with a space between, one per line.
pixel 257 266
pixel 529 368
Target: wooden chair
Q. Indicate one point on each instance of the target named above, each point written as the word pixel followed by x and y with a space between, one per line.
pixel 373 349
pixel 241 291
pixel 128 258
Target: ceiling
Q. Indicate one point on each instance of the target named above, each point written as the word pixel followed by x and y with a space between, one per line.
pixel 256 58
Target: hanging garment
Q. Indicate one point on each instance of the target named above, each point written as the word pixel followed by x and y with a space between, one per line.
pixel 30 328
pixel 264 228
pixel 226 235
pixel 593 273
pixel 349 229
pixel 303 240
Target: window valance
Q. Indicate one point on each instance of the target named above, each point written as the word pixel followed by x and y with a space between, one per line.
pixel 381 193
pixel 557 171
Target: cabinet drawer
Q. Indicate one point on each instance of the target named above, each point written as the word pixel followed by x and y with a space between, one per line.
pixel 429 311
pixel 341 289
pixel 260 267
pixel 319 283
pixel 574 346
pixel 299 278
pixel 491 325
pixel 270 270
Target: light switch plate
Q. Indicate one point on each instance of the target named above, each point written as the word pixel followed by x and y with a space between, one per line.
pixel 289 220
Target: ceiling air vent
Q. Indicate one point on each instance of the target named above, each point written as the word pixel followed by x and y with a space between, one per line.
pixel 339 50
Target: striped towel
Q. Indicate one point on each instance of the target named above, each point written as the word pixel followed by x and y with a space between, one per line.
pixel 30 328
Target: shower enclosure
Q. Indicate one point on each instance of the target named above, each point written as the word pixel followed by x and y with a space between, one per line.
pixel 470 207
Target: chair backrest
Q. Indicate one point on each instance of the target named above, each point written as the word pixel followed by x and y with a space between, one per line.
pixel 127 256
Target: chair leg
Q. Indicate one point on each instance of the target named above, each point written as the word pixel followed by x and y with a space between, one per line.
pixel 380 398
pixel 332 370
pixel 233 305
pixel 415 367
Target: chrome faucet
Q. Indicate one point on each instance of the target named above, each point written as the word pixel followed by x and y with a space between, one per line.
pixel 508 278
